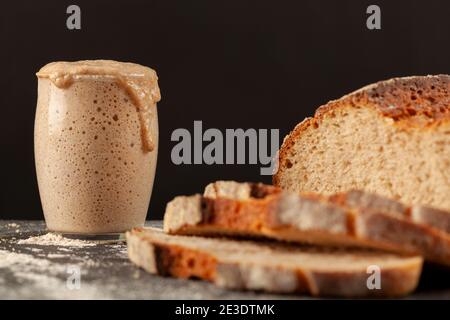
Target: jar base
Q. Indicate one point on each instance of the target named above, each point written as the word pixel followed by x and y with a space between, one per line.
pixel 104 237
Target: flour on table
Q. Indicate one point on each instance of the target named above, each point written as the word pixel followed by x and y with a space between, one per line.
pixel 9 259
pixel 12 225
pixel 43 275
pixel 54 239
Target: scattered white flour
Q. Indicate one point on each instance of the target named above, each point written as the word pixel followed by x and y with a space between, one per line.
pixel 54 239
pixel 46 278
pixel 12 225
pixel 41 279
pixel 9 259
pixel 136 274
pixel 90 262
pixel 56 255
pixel 39 274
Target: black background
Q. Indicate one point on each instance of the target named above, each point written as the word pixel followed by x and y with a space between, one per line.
pixel 231 64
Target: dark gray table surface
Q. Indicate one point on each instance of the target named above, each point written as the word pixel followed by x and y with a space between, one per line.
pixel 32 271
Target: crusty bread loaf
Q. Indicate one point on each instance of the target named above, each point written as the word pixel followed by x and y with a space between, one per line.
pixel 353 219
pixel 391 138
pixel 271 267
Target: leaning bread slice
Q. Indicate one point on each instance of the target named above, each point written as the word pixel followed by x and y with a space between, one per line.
pixel 311 219
pixel 357 199
pixel 352 199
pixel 274 267
pixel 239 190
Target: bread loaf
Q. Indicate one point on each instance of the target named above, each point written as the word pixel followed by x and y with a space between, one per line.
pixel 391 138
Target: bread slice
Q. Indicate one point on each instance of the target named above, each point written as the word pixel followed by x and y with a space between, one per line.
pixel 353 199
pixel 424 215
pixel 243 209
pixel 391 138
pixel 273 267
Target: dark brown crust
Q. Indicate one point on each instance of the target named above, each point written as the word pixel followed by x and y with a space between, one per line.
pixel 402 98
pixel 248 215
pixel 412 102
pixel 172 260
pixel 261 190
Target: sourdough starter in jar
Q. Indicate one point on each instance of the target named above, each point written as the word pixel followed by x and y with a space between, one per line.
pixel 96 143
